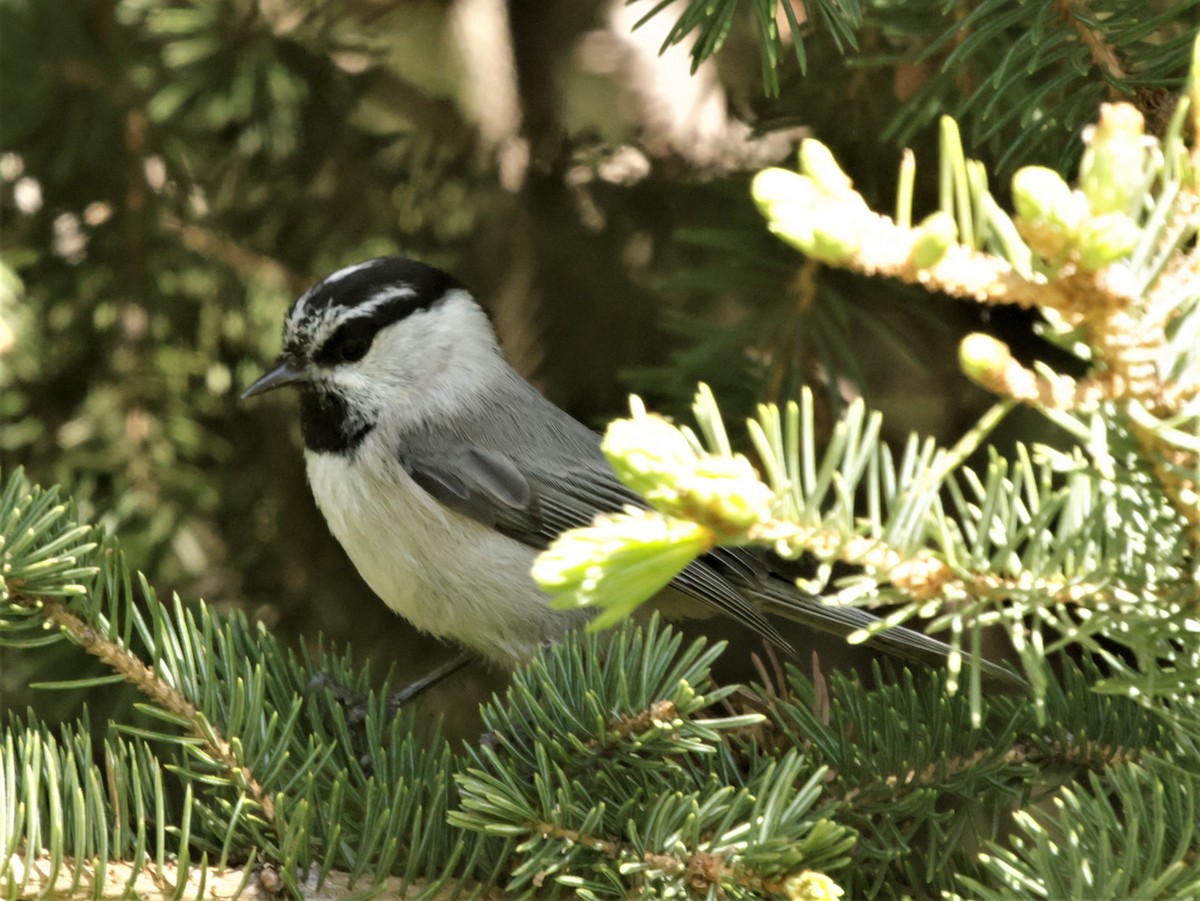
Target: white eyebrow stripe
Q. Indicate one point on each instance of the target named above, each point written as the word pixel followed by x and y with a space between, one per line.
pixel 347 272
pixel 394 292
pixel 332 319
pixel 379 299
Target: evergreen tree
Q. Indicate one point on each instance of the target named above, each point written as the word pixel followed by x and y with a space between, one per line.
pixel 173 172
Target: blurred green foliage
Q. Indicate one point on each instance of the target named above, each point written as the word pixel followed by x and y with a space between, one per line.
pixel 173 174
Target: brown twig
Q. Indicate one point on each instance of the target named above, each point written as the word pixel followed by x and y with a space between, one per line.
pixel 246 263
pixel 141 676
pixel 701 869
pixel 1090 756
pixel 88 881
pixel 1080 15
pixel 659 712
pixel 887 249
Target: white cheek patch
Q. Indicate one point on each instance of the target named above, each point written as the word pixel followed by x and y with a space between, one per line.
pixel 425 365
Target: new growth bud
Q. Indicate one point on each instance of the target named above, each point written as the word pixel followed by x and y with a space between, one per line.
pixel 1105 239
pixel 813 886
pixel 1112 173
pixel 773 186
pixel 934 236
pixel 619 561
pixel 657 460
pixel 983 358
pixel 1048 211
pixel 818 212
pixel 817 162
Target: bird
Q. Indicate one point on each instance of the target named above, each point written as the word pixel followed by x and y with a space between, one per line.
pixel 443 473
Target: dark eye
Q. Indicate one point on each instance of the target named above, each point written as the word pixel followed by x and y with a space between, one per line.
pixel 348 344
pixel 351 349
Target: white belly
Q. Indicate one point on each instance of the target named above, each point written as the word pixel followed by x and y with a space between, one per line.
pixel 443 572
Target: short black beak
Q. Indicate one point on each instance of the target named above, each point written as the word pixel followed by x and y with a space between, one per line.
pixel 283 374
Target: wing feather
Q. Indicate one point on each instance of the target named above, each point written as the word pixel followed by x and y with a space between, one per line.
pixel 573 483
pixel 535 507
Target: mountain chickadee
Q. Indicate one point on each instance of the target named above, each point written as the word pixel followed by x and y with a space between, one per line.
pixel 443 473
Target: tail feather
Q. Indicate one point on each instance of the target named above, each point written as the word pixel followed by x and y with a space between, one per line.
pixel 781 599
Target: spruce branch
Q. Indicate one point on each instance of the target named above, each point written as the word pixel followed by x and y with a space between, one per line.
pixel 1131 833
pixel 121 660
pixel 1023 80
pixel 627 721
pixel 605 768
pixel 705 26
pixel 1110 263
pixel 1037 536
pixel 50 544
pixel 262 776
pixel 990 362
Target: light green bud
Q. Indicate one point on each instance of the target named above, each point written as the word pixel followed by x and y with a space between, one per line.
pixel 936 233
pixel 658 461
pixel 796 230
pixel 794 226
pixel 1041 195
pixel 1048 211
pixel 725 494
pixel 983 358
pixel 812 886
pixel 818 212
pixel 836 235
pixel 787 200
pixel 1112 173
pixel 618 562
pixel 649 455
pixel 817 162
pixel 1105 239
pixel 774 186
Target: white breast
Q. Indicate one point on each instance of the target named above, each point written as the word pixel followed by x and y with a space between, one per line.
pixel 443 572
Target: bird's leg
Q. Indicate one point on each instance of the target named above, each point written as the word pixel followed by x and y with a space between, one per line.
pixel 433 677
pixel 355 703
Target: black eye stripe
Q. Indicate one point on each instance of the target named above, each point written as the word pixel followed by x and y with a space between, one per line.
pixel 415 287
pixel 345 342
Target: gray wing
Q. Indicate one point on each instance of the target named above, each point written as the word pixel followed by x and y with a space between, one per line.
pixel 535 506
